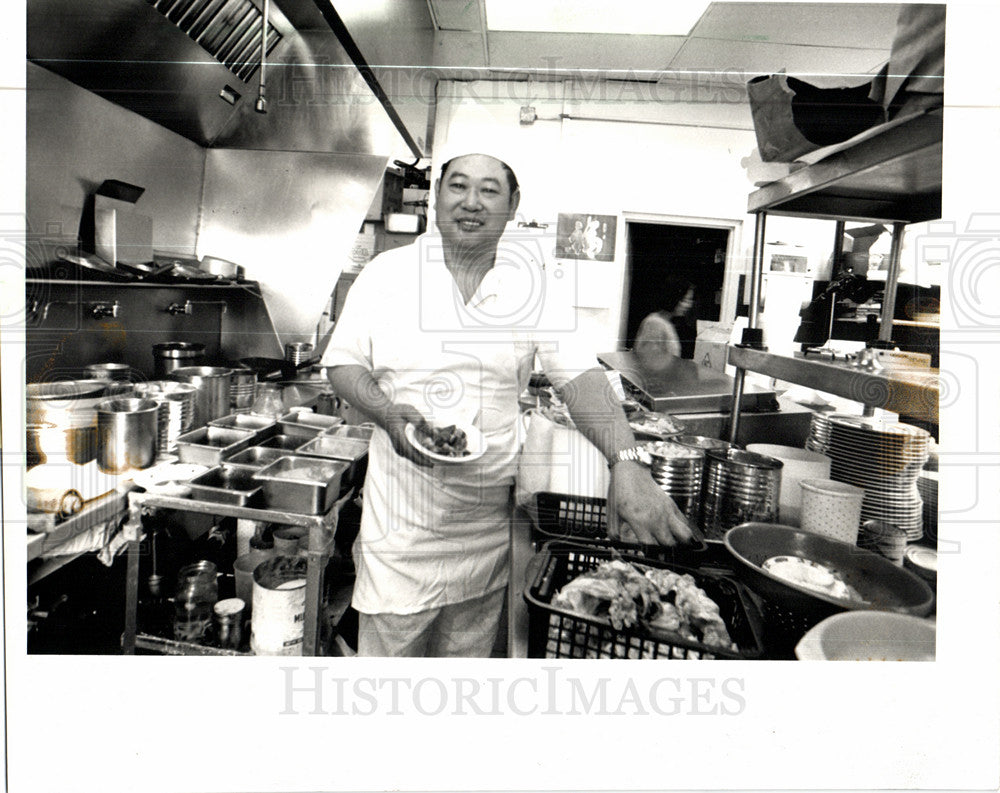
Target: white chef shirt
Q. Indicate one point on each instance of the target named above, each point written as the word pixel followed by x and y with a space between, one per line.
pixel 431 537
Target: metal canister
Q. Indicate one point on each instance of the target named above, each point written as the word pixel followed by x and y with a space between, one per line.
pixel 172 355
pixel 228 615
pixel 738 487
pixel 298 352
pixel 242 389
pixel 126 434
pixel 194 600
pixel 678 471
pixel 212 399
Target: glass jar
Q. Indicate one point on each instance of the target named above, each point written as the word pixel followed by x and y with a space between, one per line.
pixel 268 401
pixel 196 595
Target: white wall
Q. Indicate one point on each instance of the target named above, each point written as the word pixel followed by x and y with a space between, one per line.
pixel 672 160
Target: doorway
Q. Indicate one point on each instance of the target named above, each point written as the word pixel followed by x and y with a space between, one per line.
pixel 661 258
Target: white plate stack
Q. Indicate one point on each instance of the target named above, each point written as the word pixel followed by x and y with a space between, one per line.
pixel 175 412
pixel 885 459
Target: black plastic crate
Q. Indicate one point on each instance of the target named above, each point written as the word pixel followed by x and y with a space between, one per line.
pixel 558 633
pixel 584 519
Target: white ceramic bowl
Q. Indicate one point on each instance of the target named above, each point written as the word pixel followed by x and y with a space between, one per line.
pixel 868 636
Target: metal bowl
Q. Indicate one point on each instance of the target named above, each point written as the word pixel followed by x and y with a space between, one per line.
pixel 881 584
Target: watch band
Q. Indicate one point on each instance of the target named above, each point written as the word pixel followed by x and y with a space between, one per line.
pixel 636 454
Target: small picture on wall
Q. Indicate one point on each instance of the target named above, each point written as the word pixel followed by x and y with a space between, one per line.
pixel 582 236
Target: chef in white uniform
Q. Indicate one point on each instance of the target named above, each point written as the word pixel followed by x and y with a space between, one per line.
pixel 446 331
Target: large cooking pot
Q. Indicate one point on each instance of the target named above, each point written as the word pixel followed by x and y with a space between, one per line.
pixel 49 442
pixel 213 384
pixel 172 355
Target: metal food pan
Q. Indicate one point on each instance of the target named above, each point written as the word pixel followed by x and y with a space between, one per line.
pixel 335 447
pixel 225 485
pixel 307 424
pixel 288 443
pixel 211 445
pixel 264 427
pixel 255 458
pixel 352 431
pixel 299 484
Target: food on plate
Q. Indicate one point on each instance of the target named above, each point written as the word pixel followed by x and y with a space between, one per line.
pixel 632 595
pixel 811 575
pixel 447 441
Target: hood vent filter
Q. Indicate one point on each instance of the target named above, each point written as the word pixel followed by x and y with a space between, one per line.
pixel 229 30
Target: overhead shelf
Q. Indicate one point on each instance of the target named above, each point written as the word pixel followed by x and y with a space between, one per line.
pixel 890 173
pixel 912 393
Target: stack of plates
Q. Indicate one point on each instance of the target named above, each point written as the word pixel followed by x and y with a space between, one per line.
pixel 175 412
pixel 242 390
pixel 885 460
pixel 739 487
pixel 678 471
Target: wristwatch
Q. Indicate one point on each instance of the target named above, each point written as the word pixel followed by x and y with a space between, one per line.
pixel 636 454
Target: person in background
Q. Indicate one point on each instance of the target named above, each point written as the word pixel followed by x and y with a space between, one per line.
pixel 432 334
pixel 668 333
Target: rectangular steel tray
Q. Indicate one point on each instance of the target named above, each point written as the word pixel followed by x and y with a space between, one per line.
pixel 361 432
pixel 301 484
pixel 255 458
pixel 226 485
pixel 211 445
pixel 262 425
pixel 288 443
pixel 307 424
pixel 335 447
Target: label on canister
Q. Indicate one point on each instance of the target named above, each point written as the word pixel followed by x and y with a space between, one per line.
pixel 277 622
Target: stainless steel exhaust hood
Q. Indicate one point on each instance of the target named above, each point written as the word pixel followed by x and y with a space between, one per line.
pixel 191 67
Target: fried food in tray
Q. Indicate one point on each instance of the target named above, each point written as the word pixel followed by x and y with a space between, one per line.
pixel 657 600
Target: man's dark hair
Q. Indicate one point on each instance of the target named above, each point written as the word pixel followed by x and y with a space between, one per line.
pixel 511 176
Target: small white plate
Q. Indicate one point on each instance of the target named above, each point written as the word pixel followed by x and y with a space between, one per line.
pixel 168 479
pixel 475 443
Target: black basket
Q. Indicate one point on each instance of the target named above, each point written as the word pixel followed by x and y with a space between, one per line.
pixel 557 633
pixel 584 519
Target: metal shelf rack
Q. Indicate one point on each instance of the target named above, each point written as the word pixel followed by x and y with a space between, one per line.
pixel 888 174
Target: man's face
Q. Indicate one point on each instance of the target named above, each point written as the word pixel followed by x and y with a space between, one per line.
pixel 473 201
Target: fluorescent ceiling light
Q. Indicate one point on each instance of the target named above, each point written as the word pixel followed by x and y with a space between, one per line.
pixel 651 17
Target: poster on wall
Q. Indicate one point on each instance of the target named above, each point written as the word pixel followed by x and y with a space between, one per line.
pixel 585 236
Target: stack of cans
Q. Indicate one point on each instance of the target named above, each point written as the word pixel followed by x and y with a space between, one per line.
pixel 242 390
pixel 678 471
pixel 175 410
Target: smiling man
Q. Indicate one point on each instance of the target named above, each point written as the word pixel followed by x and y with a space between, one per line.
pixel 439 333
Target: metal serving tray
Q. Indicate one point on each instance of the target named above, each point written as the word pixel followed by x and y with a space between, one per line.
pixel 307 424
pixel 211 445
pixel 299 484
pixel 226 485
pixel 335 447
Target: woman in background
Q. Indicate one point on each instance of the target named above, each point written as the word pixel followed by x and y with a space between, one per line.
pixel 668 333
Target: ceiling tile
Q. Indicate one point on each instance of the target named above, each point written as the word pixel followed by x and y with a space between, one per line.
pixel 862 25
pixel 456 14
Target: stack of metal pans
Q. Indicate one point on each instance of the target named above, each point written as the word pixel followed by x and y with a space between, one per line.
pixel 738 487
pixel 886 460
pixel 175 413
pixel 678 471
pixel 242 389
